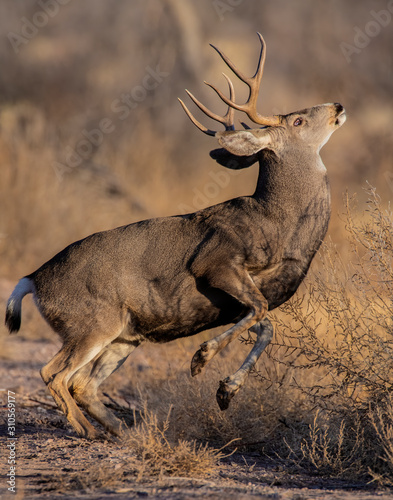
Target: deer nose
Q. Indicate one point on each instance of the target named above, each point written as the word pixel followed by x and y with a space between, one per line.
pixel 339 107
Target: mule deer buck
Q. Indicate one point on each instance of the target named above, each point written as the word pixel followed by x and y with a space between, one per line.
pixel 166 278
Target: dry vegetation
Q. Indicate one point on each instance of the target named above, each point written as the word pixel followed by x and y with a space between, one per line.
pixel 320 402
pixel 338 335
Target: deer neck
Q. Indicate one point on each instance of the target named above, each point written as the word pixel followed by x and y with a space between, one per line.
pixel 289 185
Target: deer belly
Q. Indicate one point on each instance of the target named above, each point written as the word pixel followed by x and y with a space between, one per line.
pixel 185 315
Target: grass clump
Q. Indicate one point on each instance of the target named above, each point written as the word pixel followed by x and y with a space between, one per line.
pixel 329 448
pixel 160 457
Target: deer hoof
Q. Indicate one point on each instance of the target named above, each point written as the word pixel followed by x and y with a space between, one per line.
pixel 197 363
pixel 199 360
pixel 224 394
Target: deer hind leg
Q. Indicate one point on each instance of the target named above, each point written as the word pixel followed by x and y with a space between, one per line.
pixel 229 386
pixel 85 382
pixel 56 375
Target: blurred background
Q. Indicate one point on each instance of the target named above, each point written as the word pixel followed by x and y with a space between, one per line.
pixel 92 135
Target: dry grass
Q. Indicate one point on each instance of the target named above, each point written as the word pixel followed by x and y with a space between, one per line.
pixel 159 457
pixel 329 449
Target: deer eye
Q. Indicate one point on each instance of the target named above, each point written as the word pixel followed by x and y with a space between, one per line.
pixel 298 122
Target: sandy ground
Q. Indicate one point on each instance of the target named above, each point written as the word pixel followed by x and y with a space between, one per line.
pixel 51 462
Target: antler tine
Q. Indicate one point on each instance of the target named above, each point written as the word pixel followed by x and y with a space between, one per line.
pixel 195 121
pixel 230 64
pixel 230 114
pixel 261 62
pixel 249 107
pixel 227 120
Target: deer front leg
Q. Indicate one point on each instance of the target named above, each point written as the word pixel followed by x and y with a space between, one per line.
pixel 229 386
pixel 248 294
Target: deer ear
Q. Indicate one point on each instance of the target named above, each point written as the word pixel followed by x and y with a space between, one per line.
pixel 244 142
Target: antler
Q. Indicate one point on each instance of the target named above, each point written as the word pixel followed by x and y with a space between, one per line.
pixel 249 107
pixel 254 82
pixel 227 120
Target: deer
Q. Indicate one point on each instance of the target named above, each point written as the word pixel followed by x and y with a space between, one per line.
pixel 161 279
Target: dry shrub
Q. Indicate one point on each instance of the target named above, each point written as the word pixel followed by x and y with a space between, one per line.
pixel 256 418
pixel 382 423
pixel 330 366
pixel 159 457
pixel 329 448
pixel 337 337
pixel 342 326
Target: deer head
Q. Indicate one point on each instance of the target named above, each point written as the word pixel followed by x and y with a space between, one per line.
pixel 308 129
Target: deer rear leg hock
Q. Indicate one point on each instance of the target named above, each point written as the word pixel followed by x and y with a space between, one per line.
pixel 85 382
pixel 56 375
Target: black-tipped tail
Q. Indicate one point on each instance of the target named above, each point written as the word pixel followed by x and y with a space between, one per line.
pixel 14 305
pixel 12 318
